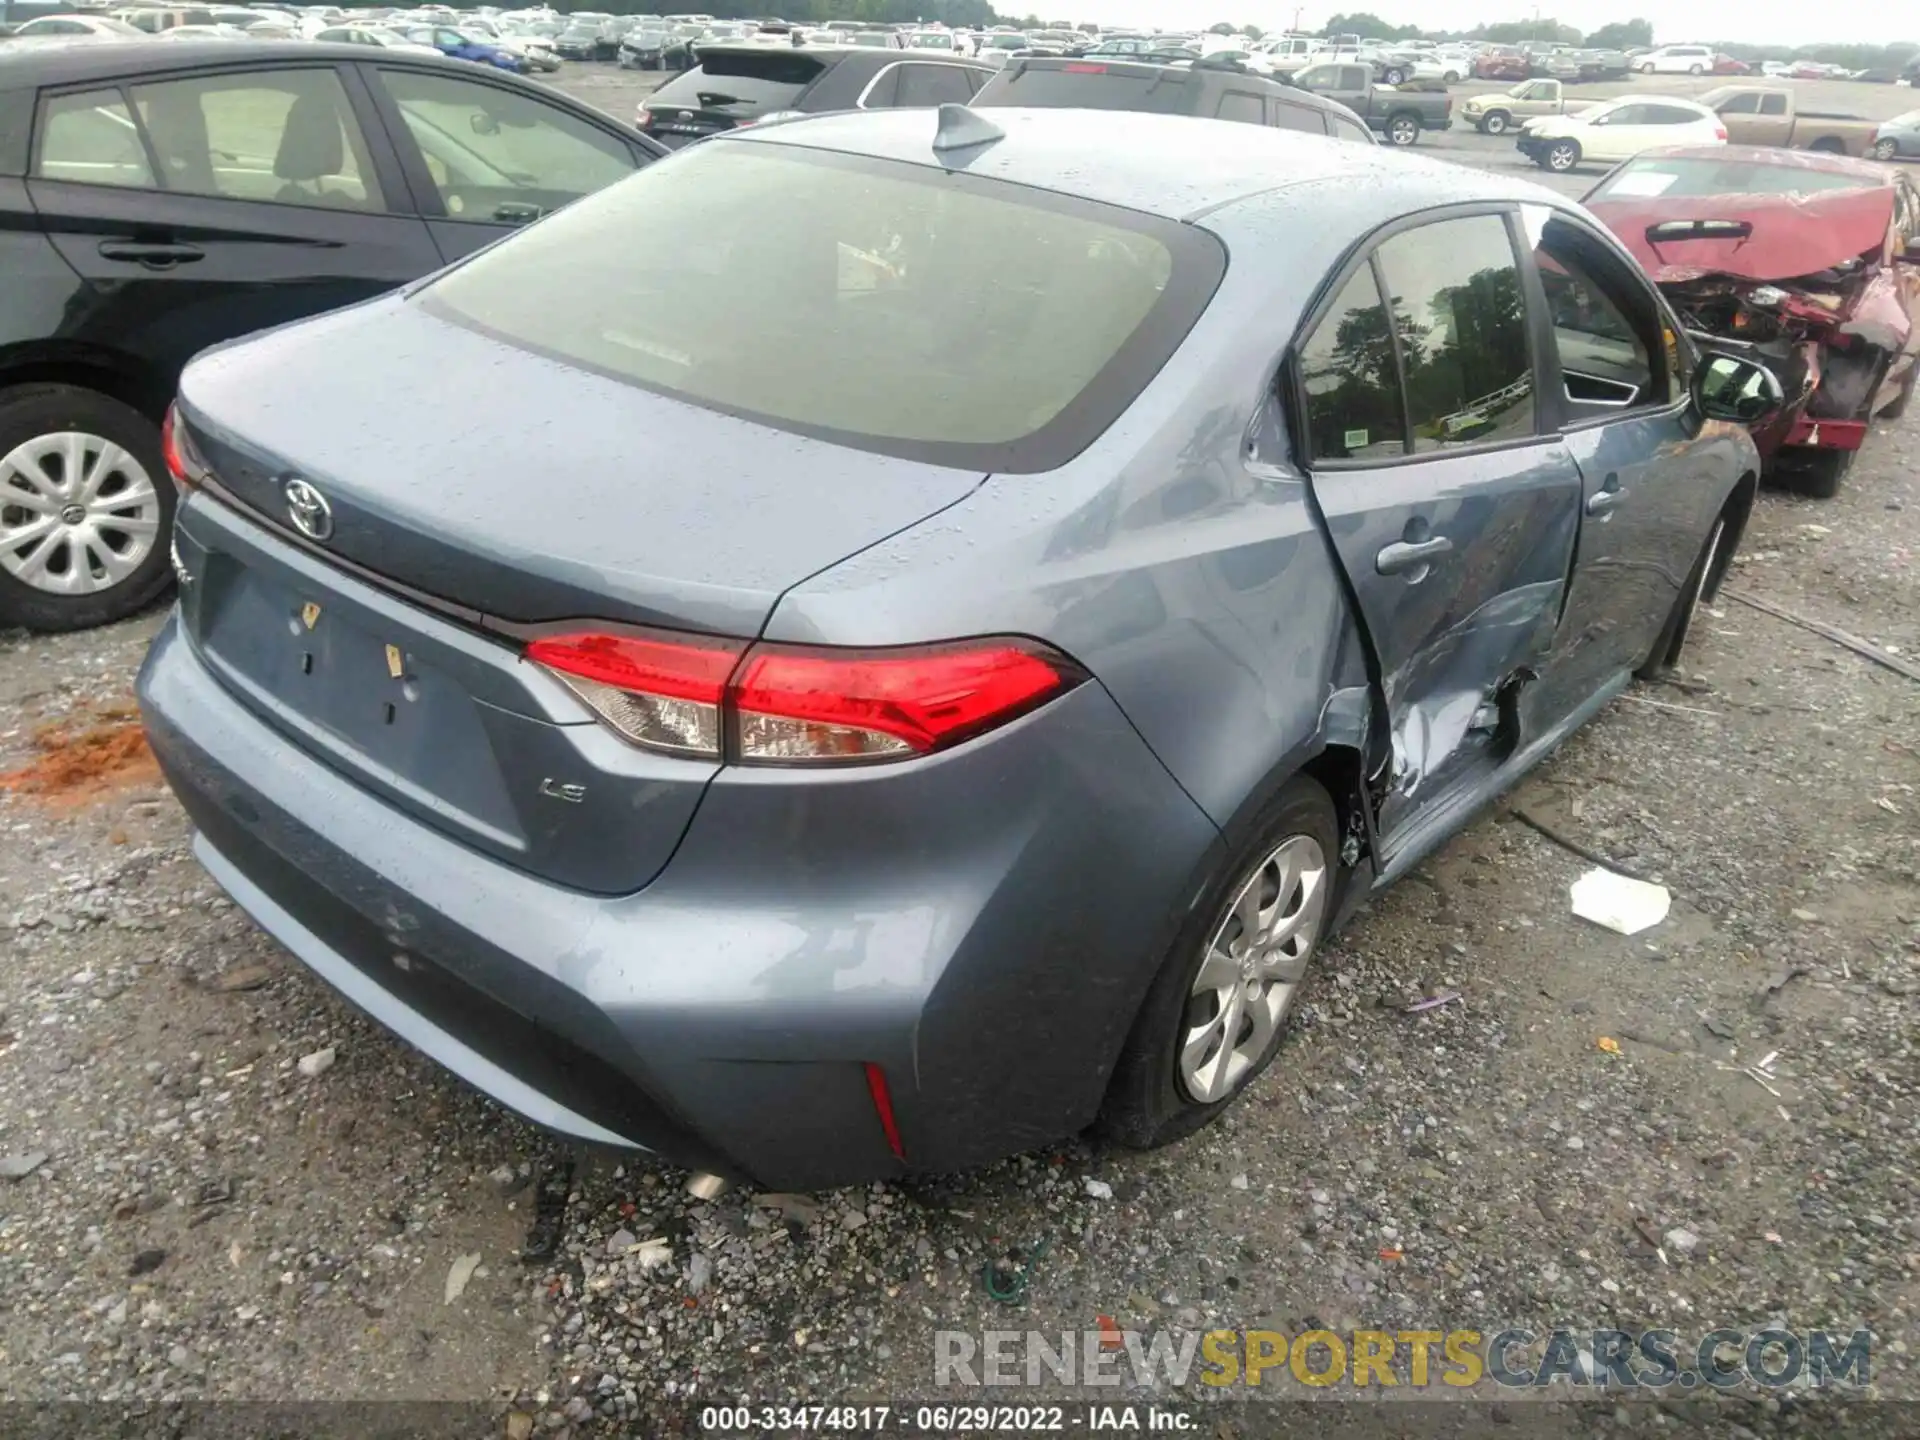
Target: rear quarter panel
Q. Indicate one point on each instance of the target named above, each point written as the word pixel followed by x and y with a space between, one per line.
pixel 1196 586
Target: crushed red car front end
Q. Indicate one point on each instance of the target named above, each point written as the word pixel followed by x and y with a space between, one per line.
pixel 1807 284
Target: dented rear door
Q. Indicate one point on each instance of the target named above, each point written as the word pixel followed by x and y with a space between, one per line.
pixel 1452 518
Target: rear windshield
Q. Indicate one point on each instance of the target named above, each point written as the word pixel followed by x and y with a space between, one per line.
pixel 899 308
pixel 756 80
pixel 1688 179
pixel 1088 86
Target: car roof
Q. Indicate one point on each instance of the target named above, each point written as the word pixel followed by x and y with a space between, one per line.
pixel 1867 172
pixel 55 64
pixel 1159 164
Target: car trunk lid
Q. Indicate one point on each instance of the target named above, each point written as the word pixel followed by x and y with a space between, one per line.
pixel 390 643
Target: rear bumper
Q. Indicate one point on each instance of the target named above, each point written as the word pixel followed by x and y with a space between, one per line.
pixel 982 925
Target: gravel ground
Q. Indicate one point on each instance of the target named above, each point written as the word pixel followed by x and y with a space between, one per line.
pixel 239 1188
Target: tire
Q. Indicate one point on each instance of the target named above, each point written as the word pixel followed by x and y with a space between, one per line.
pixel 1814 473
pixel 1702 581
pixel 1885 150
pixel 1561 156
pixel 67 580
pixel 1151 1101
pixel 1696 70
pixel 1403 130
pixel 1827 146
pixel 1451 77
pixel 1394 77
pixel 1495 122
pixel 1646 69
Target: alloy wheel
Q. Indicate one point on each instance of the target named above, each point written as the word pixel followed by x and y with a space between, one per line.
pixel 1885 149
pixel 1252 969
pixel 1403 132
pixel 78 514
pixel 1562 158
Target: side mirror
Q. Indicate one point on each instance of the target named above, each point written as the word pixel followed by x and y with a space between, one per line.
pixel 481 123
pixel 1728 388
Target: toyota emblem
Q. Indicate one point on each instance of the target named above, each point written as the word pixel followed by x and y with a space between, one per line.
pixel 309 511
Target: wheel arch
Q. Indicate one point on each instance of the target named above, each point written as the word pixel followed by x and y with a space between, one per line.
pixel 1738 509
pixel 89 367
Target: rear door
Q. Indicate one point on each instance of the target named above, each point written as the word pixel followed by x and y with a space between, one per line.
pixel 483 157
pixel 1453 518
pixel 200 207
pixel 1616 388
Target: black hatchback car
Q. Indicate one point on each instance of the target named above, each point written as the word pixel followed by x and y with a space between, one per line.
pixel 740 85
pixel 1218 91
pixel 158 199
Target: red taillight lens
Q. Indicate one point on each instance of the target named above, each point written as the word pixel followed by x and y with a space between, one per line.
pixel 1084 69
pixel 1720 132
pixel 786 705
pixel 663 694
pixel 808 705
pixel 182 463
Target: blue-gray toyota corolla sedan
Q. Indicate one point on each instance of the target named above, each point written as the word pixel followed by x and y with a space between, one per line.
pixel 887 639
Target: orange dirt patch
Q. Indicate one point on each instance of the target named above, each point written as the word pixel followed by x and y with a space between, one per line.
pixel 76 765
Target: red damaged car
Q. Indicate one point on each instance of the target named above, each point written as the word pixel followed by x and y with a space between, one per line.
pixel 1806 261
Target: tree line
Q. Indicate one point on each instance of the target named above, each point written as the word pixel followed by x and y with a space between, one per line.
pixel 1625 35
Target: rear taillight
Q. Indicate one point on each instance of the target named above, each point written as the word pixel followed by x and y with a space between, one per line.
pixel 660 693
pixel 643 118
pixel 798 705
pixel 1720 132
pixel 183 463
pixel 1084 69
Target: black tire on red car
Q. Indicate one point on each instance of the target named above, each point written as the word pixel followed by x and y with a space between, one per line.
pixel 1813 473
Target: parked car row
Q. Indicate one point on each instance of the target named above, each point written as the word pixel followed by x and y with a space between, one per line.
pixel 1560 134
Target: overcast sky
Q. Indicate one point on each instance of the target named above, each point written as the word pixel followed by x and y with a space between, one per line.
pixel 1766 22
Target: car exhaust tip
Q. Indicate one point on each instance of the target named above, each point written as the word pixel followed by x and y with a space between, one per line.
pixel 704 1186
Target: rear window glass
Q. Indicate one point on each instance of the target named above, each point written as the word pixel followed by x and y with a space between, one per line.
pixel 765 80
pixel 1089 86
pixel 1685 179
pixel 899 308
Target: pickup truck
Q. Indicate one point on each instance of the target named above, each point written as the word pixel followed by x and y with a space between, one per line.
pixel 1764 115
pixel 1504 110
pixel 1398 114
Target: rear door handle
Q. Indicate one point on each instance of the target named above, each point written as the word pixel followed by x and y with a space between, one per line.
pixel 155 255
pixel 1403 555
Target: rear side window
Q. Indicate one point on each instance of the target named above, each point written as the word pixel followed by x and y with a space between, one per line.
pixel 1773 103
pixel 1457 308
pixel 1159 91
pixel 942 316
pixel 1352 380
pixel 1284 115
pixel 924 85
pixel 1239 105
pixel 280 135
pixel 91 138
pixel 1669 115
pixel 1344 129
